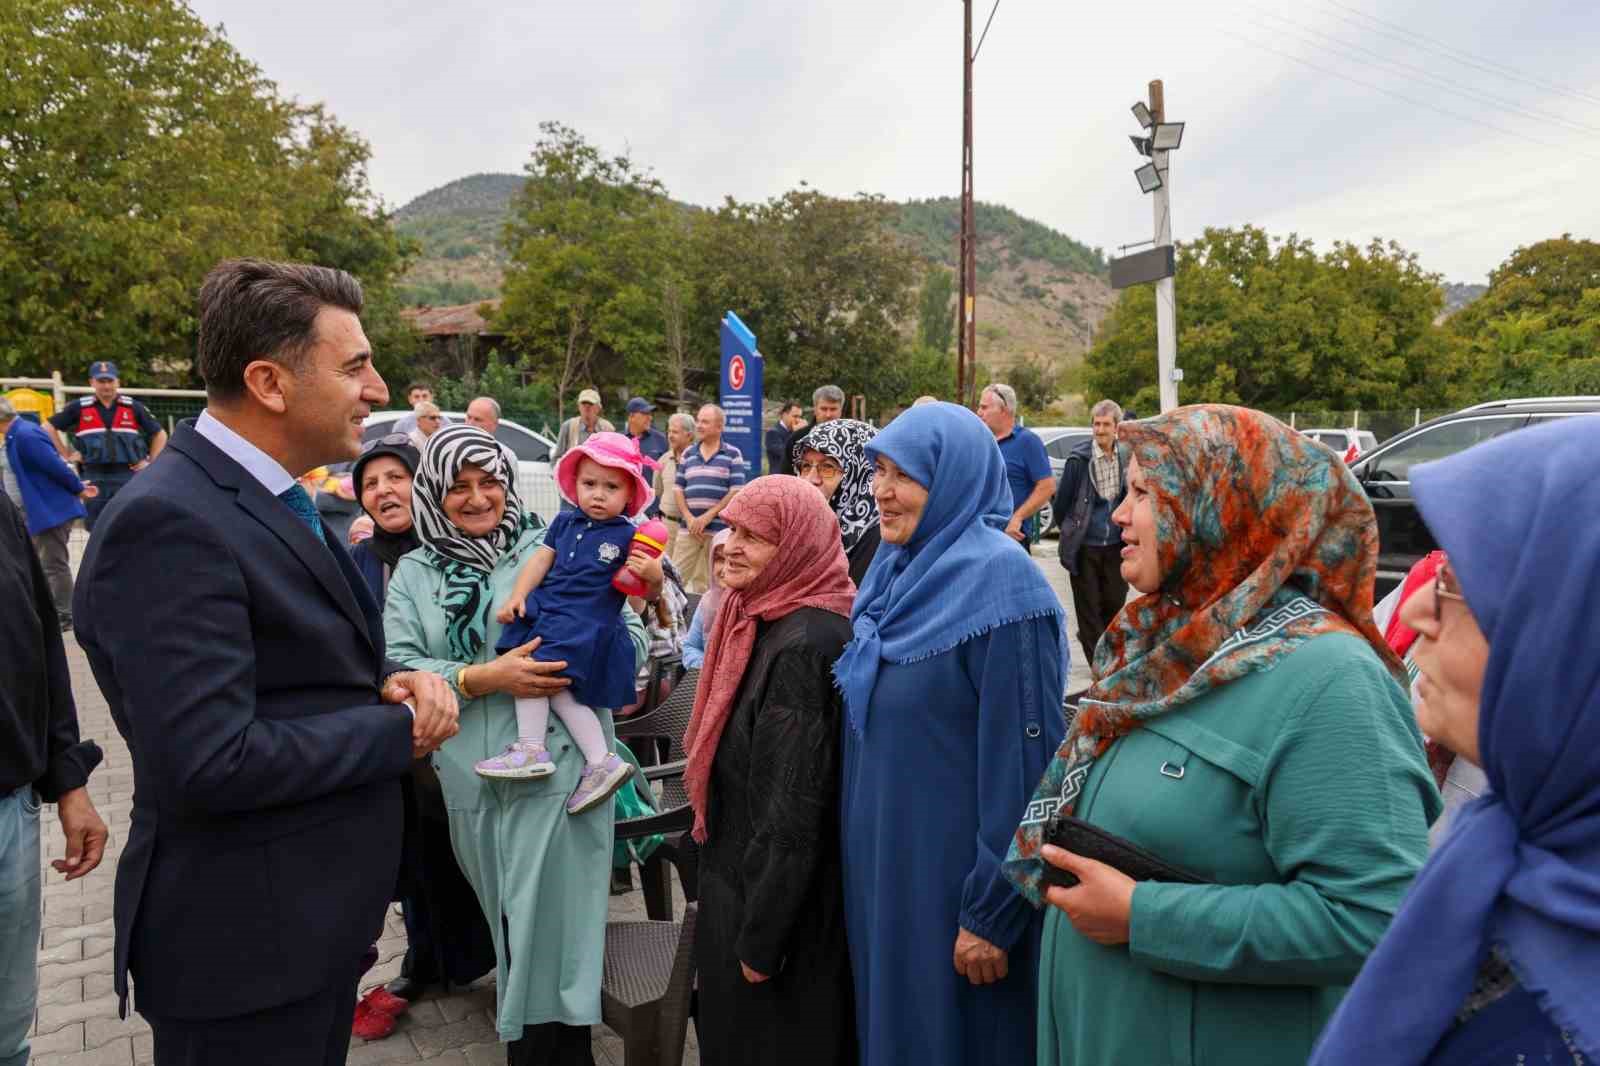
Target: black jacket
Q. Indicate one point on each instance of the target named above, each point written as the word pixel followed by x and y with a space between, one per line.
pixel 1075 497
pixel 242 661
pixel 39 743
pixel 771 883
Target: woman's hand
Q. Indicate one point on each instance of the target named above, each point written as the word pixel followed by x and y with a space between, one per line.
pixel 752 976
pixel 1100 904
pixel 517 675
pixel 512 608
pixel 978 960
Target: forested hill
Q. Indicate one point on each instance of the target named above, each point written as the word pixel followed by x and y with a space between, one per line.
pixel 1040 293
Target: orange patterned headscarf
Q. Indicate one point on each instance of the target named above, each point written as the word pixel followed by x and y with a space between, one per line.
pixel 809 570
pixel 1265 540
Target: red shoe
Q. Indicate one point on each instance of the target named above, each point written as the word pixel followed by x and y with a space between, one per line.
pixel 386 1001
pixel 371 1023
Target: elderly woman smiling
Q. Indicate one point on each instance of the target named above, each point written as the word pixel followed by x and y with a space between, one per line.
pixel 541 875
pixel 953 684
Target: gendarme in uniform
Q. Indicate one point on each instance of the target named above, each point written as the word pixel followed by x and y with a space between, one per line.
pixel 112 439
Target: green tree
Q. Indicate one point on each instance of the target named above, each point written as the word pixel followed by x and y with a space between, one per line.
pixel 585 236
pixel 822 281
pixel 1268 323
pixel 138 148
pixel 936 314
pixel 1537 330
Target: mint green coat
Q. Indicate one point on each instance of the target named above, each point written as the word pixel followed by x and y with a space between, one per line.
pixel 547 873
pixel 1304 793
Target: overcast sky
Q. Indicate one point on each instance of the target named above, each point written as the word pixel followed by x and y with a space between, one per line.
pixel 748 99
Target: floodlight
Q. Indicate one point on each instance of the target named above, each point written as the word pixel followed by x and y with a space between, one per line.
pixel 1166 136
pixel 1149 178
pixel 1142 113
pixel 1140 144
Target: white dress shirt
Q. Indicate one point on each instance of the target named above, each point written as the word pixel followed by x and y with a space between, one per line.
pixel 261 466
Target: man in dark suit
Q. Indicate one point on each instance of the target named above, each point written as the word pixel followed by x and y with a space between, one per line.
pixel 243 660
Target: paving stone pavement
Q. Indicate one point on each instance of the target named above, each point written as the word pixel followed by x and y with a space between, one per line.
pixel 76 1023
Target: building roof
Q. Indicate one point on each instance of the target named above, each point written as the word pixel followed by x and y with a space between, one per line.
pixel 454 321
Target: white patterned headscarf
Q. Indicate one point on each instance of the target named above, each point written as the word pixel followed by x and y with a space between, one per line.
pixel 844 440
pixel 466 561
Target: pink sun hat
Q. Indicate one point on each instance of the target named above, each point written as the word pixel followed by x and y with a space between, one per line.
pixel 616 450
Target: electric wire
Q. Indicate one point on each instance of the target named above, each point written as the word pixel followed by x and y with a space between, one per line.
pixel 1412 100
pixel 985 34
pixel 1480 95
pixel 1458 55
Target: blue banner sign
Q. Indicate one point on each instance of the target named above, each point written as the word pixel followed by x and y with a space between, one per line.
pixel 741 392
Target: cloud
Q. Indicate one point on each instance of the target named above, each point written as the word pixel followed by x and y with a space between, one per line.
pixel 748 100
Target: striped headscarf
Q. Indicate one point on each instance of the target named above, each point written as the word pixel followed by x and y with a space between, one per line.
pixel 1265 541
pixel 845 440
pixel 465 561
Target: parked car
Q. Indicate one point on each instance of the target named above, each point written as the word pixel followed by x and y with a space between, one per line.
pixel 1348 444
pixel 1058 444
pixel 536 482
pixel 1386 472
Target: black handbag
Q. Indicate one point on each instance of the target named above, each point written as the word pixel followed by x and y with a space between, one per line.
pixel 1081 838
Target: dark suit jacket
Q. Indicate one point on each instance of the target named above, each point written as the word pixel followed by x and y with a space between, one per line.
pixel 242 662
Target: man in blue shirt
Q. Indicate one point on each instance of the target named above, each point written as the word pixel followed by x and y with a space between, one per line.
pixel 1027 466
pixel 641 427
pixel 48 494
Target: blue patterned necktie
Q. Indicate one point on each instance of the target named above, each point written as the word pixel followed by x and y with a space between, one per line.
pixel 300 503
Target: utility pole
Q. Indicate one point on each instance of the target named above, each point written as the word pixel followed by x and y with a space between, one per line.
pixel 1166 306
pixel 966 336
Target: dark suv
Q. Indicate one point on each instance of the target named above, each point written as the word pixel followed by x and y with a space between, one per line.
pixel 1386 471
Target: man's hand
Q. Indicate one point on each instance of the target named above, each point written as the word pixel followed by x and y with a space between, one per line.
pixel 978 960
pixel 437 715
pixel 697 525
pixel 86 834
pixel 140 465
pixel 1014 530
pixel 1100 905
pixel 90 491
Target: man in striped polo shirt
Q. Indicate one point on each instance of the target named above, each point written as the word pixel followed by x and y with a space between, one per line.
pixel 709 473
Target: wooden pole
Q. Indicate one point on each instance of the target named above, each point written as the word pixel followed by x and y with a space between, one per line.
pixel 966 339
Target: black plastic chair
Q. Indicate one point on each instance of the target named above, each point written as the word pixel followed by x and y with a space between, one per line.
pixel 647 983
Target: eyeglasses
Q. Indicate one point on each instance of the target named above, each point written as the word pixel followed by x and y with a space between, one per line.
pixel 825 467
pixel 388 440
pixel 1444 588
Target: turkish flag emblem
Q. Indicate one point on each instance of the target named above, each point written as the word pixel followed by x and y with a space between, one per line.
pixel 736 372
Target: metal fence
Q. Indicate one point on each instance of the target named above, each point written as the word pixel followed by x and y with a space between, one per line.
pixel 169 406
pixel 1381 424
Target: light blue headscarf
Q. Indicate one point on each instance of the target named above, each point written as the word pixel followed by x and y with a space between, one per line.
pixel 960 576
pixel 1519 518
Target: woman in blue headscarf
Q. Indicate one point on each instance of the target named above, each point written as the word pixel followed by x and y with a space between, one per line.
pixel 1495 954
pixel 952 686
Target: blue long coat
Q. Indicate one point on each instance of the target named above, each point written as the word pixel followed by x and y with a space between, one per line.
pixel 933 790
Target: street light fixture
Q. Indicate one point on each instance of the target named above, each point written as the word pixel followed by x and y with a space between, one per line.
pixel 1142 113
pixel 1167 136
pixel 1149 178
pixel 1140 144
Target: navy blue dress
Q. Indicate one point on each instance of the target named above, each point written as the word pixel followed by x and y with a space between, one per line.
pixel 931 793
pixel 578 613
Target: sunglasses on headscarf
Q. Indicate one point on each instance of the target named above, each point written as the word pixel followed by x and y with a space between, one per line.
pixel 388 440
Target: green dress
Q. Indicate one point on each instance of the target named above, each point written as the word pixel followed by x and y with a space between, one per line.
pixel 541 875
pixel 1303 792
